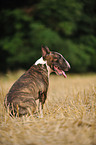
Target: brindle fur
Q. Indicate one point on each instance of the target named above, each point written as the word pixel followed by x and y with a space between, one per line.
pixel 33 84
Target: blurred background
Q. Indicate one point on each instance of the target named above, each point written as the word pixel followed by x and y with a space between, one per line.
pixel 66 26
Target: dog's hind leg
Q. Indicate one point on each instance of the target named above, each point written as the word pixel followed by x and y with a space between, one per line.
pixel 25 106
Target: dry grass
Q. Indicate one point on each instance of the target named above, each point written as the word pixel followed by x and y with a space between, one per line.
pixel 69 114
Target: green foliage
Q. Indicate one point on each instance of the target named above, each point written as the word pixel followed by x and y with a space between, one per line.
pixel 59 15
pixel 64 26
pixel 14 41
pixel 44 36
pixel 67 28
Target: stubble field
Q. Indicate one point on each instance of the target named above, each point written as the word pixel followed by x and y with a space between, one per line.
pixel 69 114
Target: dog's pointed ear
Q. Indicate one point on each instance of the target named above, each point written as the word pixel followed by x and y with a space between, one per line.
pixel 45 51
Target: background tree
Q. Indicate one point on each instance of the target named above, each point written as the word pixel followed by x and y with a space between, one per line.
pixel 66 26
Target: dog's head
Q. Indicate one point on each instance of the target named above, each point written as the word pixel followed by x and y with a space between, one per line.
pixel 55 61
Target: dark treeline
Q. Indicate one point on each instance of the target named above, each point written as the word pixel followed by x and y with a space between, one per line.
pixel 66 26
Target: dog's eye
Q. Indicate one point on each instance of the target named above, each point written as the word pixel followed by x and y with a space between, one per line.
pixel 52 60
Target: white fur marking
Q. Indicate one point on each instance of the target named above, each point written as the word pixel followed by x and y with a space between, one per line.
pixel 41 61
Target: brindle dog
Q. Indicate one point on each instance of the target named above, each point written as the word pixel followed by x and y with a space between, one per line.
pixel 33 84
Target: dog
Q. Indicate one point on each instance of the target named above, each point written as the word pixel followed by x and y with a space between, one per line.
pixel 33 84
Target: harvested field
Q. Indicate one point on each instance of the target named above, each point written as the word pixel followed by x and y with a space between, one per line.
pixel 69 114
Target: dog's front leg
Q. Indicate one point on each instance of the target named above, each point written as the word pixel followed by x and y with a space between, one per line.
pixel 41 110
pixel 39 106
pixel 42 99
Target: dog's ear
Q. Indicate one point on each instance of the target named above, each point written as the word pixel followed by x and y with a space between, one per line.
pixel 45 51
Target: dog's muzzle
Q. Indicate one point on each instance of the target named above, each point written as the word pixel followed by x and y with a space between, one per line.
pixel 59 71
pixel 62 71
